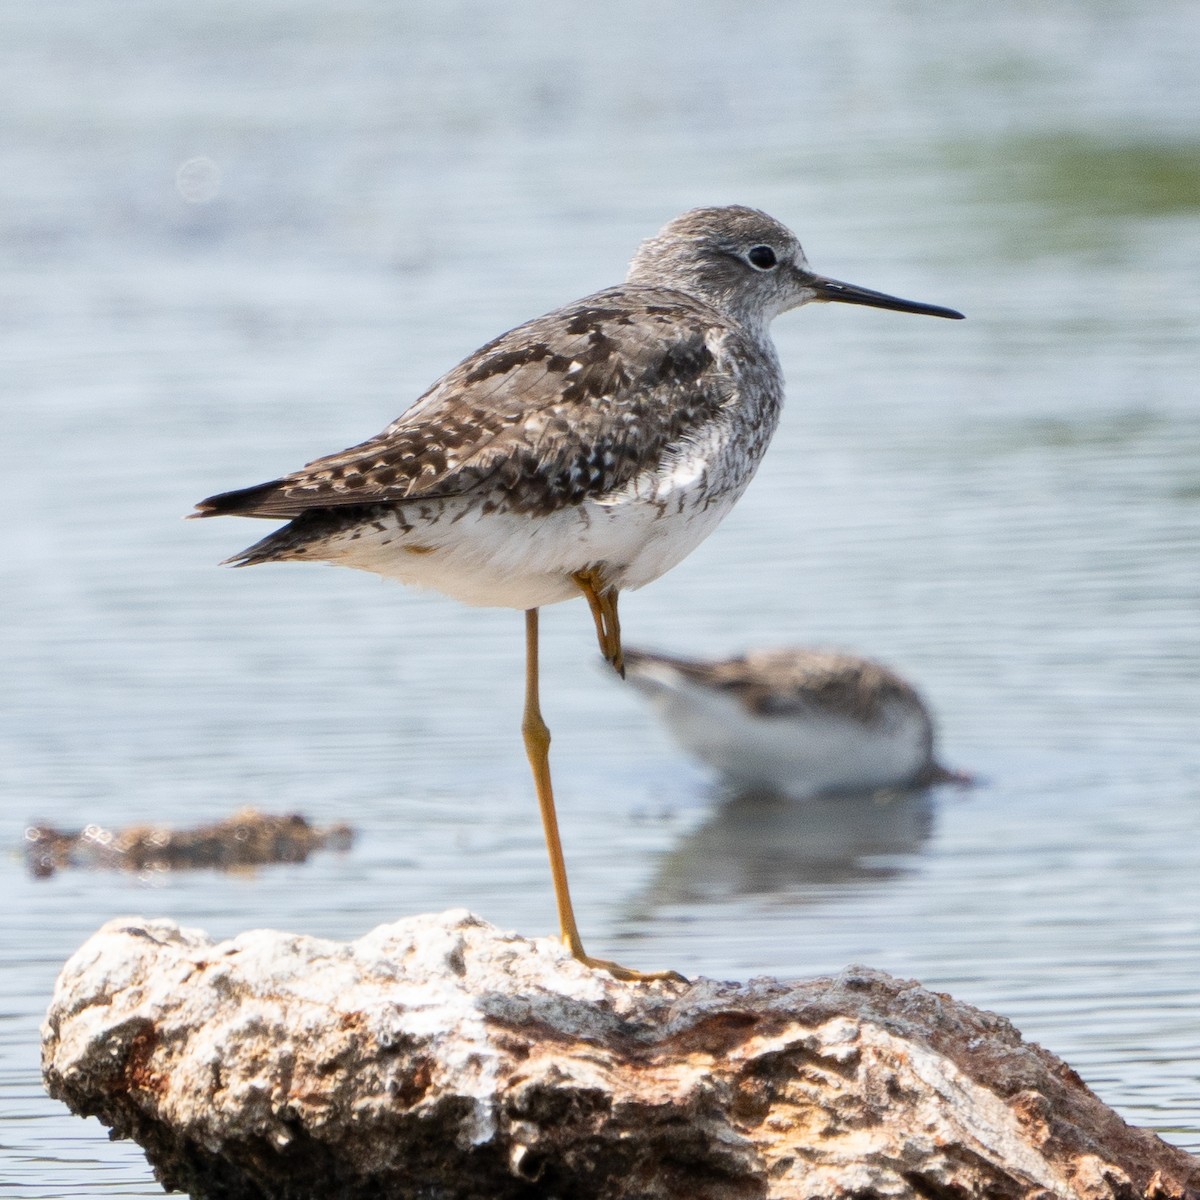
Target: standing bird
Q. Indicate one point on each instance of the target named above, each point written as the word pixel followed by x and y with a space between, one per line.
pixel 582 453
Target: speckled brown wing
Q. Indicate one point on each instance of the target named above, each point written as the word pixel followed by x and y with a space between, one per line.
pixel 571 405
pixel 797 682
pixel 827 680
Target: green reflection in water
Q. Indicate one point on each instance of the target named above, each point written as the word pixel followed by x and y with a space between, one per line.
pixel 1121 178
pixel 1076 193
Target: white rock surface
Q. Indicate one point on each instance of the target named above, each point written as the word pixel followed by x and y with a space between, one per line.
pixel 439 1057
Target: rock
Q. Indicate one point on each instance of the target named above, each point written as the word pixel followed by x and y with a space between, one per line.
pixel 440 1057
pixel 247 839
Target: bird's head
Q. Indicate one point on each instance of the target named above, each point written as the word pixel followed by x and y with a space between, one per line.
pixel 748 265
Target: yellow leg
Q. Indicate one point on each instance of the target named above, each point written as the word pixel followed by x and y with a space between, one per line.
pixel 602 600
pixel 537 747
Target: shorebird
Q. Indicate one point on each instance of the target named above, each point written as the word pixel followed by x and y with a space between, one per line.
pixel 798 722
pixel 581 454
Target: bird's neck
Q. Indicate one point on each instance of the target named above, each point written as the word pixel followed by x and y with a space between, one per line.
pixel 751 319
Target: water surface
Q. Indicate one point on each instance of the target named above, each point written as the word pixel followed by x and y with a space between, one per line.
pixel 237 238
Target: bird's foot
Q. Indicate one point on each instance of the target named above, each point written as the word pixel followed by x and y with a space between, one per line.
pixel 602 600
pixel 625 974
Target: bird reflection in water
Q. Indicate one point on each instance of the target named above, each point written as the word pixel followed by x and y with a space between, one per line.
pixel 758 844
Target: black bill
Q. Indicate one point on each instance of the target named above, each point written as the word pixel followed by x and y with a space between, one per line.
pixel 847 293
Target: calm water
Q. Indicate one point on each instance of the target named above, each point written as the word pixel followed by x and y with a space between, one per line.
pixel 236 237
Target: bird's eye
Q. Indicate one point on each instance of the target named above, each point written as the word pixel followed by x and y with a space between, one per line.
pixel 762 258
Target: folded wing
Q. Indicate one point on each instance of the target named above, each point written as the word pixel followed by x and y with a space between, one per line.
pixel 569 406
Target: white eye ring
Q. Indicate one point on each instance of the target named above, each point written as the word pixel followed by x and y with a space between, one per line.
pixel 762 258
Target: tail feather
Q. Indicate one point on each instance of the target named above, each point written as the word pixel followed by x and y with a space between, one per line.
pixel 305 537
pixel 261 500
pixel 278 546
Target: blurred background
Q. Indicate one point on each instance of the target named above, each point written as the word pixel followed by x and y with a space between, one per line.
pixel 236 237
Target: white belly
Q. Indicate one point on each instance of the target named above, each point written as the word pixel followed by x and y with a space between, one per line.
pixel 812 755
pixel 510 560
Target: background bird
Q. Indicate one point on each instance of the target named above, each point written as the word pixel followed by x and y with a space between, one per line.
pixel 803 722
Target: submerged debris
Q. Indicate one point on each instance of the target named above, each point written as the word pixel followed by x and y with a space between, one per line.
pixel 246 839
